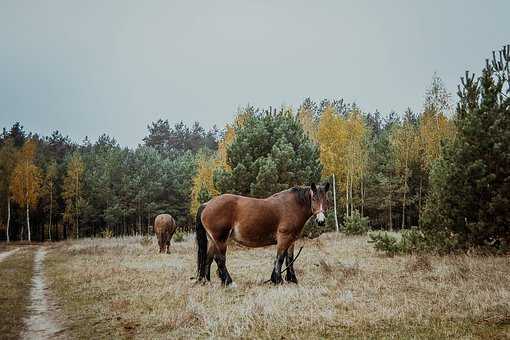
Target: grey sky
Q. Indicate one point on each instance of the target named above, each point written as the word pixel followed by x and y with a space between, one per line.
pixel 88 67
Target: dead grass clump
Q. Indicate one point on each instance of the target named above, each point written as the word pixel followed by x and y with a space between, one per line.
pixel 460 269
pixel 146 241
pixel 325 267
pixel 120 305
pixel 349 269
pixel 497 315
pixel 419 263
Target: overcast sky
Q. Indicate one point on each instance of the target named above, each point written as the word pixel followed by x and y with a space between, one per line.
pixel 92 67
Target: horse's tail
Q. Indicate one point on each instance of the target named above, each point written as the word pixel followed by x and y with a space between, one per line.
pixel 201 237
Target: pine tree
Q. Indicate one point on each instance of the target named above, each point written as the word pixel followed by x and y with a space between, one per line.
pixel 270 153
pixel 470 192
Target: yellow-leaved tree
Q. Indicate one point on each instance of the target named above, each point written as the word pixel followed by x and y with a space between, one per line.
pixel 343 152
pixel 203 182
pixel 49 190
pixel 435 127
pixel 332 138
pixel 405 147
pixel 356 157
pixel 26 181
pixel 72 190
pixel 308 123
pixel 203 188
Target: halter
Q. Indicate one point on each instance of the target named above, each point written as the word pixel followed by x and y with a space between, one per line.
pixel 321 210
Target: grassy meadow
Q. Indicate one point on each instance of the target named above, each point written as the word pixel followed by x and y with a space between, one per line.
pixel 123 288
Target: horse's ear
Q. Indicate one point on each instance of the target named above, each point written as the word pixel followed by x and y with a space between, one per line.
pixel 313 187
pixel 326 187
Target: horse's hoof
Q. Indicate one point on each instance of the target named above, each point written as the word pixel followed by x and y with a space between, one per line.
pixel 233 285
pixel 277 281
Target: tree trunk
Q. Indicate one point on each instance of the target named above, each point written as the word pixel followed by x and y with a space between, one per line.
pixel 8 215
pixel 347 195
pixel 76 208
pixel 51 212
pixel 334 203
pixel 350 194
pixel 391 217
pixel 404 210
pixel 419 200
pixel 28 223
pixel 362 198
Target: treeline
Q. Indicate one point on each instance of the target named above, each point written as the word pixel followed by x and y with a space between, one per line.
pixel 381 162
pixel 53 189
pixel 444 170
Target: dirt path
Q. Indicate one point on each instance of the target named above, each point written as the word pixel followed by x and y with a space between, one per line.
pixel 41 322
pixel 6 254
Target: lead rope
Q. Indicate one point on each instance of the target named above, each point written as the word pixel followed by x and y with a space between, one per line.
pixel 290 264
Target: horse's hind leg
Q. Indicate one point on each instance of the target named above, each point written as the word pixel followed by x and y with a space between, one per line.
pixel 210 258
pixel 220 259
pixel 290 275
pixel 161 244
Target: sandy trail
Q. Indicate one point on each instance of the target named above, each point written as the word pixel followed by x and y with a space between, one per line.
pixel 41 322
pixel 6 254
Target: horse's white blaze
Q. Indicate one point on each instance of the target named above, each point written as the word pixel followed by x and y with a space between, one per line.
pixel 321 217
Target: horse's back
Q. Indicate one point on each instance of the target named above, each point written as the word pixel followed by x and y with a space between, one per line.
pixel 250 221
pixel 164 223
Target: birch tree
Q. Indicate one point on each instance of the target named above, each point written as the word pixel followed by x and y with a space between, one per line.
pixel 72 190
pixel 7 164
pixel 405 147
pixel 49 191
pixel 26 181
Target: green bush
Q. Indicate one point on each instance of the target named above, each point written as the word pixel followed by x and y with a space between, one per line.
pixel 412 241
pixel 387 243
pixel 355 224
pixel 179 236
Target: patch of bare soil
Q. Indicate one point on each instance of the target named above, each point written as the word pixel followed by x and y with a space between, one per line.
pixel 41 322
pixel 6 254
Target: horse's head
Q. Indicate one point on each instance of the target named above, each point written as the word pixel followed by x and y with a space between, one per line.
pixel 319 202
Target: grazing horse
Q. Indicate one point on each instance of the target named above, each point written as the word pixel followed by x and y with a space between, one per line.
pixel 253 222
pixel 164 227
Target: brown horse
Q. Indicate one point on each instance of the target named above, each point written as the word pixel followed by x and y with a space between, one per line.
pixel 164 227
pixel 278 219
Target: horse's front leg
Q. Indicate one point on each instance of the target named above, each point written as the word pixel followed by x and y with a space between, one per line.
pixel 283 242
pixel 276 275
pixel 290 275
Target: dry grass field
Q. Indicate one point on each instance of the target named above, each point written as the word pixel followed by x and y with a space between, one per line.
pixel 122 288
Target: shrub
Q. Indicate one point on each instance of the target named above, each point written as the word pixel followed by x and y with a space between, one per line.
pixel 107 233
pixel 146 241
pixel 179 236
pixel 355 224
pixel 413 241
pixel 385 242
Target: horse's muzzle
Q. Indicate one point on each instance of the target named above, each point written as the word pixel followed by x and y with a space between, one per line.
pixel 321 219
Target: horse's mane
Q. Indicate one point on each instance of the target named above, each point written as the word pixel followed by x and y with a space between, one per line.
pixel 302 195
